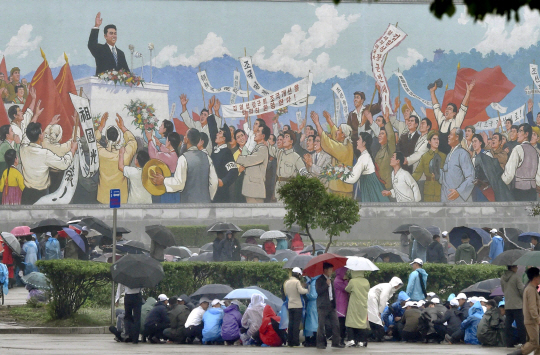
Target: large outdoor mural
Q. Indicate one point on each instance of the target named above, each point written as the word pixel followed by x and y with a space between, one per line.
pixel 199 102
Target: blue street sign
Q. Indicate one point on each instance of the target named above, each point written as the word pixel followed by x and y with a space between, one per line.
pixel 115 198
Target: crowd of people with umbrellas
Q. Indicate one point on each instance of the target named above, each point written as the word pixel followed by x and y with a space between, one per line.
pixel 343 308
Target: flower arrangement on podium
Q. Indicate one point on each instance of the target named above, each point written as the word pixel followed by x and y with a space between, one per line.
pixel 121 77
pixel 338 172
pixel 143 114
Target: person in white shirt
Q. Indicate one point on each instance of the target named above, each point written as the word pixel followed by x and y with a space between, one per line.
pixel 194 324
pixel 132 304
pixel 251 144
pixel 405 188
pixel 137 193
pixel 206 118
pixel 421 144
pixel 195 174
pixel 20 120
pixel 36 164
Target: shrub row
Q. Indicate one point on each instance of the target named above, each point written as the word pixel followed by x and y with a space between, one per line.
pixel 197 236
pixel 76 282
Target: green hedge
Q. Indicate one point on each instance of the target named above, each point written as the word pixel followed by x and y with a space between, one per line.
pixel 81 282
pixel 197 236
pixel 443 279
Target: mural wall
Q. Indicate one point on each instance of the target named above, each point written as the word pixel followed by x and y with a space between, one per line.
pixel 199 102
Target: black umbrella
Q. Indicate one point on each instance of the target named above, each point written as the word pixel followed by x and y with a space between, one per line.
pixel 274 301
pixel 48 225
pixel 209 256
pixel 161 235
pixel 298 261
pixel 212 291
pixel 482 255
pixel 347 251
pixel 309 248
pixel 285 254
pixel 122 230
pixel 181 252
pixel 482 288
pixel 12 242
pixel 512 236
pixel 294 229
pixel 207 247
pixel 97 224
pixel 421 235
pixel 457 233
pixel 395 256
pixel 251 251
pixel 372 252
pixel 132 247
pixel 434 230
pixel 137 270
pixel 223 227
pixel 404 228
pixel 256 233
pixel 508 257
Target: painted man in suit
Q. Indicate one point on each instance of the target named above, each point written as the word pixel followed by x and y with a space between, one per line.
pixel 317 159
pixel 457 174
pixel 224 164
pixel 107 56
pixel 255 165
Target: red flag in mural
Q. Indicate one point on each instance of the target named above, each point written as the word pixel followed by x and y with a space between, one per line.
pixel 3 69
pixel 491 86
pixel 180 126
pixel 240 124
pixel 294 126
pixel 4 119
pixel 51 103
pixel 65 85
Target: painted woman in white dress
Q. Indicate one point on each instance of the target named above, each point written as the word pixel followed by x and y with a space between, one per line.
pixel 364 170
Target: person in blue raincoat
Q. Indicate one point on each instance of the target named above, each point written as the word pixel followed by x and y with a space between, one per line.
pixel 470 325
pixel 282 244
pixel 52 248
pixel 30 249
pixel 311 323
pixel 392 314
pixel 4 278
pixel 496 246
pixel 416 287
pixel 212 320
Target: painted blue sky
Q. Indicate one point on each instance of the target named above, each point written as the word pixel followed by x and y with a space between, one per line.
pixel 281 36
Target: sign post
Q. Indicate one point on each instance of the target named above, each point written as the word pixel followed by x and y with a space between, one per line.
pixel 114 203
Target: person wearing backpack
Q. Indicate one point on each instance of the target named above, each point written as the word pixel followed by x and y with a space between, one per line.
pixel 416 287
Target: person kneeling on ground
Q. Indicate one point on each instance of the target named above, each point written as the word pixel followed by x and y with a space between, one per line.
pixel 213 319
pixel 430 314
pixel 491 328
pixel 252 319
pixel 452 320
pixel 178 315
pixel 269 332
pixel 411 317
pixel 470 325
pixel 194 324
pixel 232 322
pixel 157 320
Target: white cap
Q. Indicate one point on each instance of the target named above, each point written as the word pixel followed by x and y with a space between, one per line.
pixel 454 302
pixel 473 299
pixel 482 299
pixel 408 304
pixel 162 297
pixel 494 230
pixel 417 261
pixel 420 303
pixel 85 228
pixel 431 294
pixel 49 234
pixel 435 300
pixel 297 270
pixel 445 233
pixel 461 296
pixel 216 301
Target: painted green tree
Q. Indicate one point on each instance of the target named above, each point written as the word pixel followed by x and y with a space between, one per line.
pixel 309 205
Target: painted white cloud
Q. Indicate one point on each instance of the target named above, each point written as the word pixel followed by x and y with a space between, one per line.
pixel 22 43
pixel 463 18
pixel 501 37
pixel 212 47
pixel 296 45
pixel 412 57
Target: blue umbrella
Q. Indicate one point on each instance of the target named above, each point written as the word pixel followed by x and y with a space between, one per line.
pixel 274 301
pixel 526 237
pixel 75 237
pixel 486 237
pixel 457 232
pixel 243 293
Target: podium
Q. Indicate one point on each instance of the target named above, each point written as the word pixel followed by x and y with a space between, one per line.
pixel 106 97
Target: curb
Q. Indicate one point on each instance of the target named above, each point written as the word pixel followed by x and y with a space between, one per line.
pixel 59 330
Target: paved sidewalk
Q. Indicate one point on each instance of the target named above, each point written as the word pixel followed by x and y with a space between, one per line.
pixel 15 297
pixel 104 344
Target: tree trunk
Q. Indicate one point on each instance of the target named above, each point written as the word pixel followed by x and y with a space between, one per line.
pixel 328 245
pixel 312 240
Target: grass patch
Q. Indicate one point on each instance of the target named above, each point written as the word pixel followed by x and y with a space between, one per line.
pixel 39 317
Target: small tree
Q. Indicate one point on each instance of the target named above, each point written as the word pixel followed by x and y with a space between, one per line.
pixel 309 205
pixel 302 197
pixel 338 214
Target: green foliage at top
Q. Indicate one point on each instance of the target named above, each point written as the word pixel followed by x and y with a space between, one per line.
pixel 197 236
pixel 72 281
pixel 308 204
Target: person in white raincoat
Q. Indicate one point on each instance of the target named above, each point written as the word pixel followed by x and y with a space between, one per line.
pixel 377 298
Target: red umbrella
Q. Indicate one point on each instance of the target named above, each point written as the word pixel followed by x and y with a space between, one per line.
pixel 63 234
pixel 315 266
pixel 21 231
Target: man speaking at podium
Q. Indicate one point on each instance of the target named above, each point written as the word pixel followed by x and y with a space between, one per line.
pixel 107 56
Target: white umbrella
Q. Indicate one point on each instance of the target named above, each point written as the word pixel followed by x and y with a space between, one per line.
pixel 273 235
pixel 357 263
